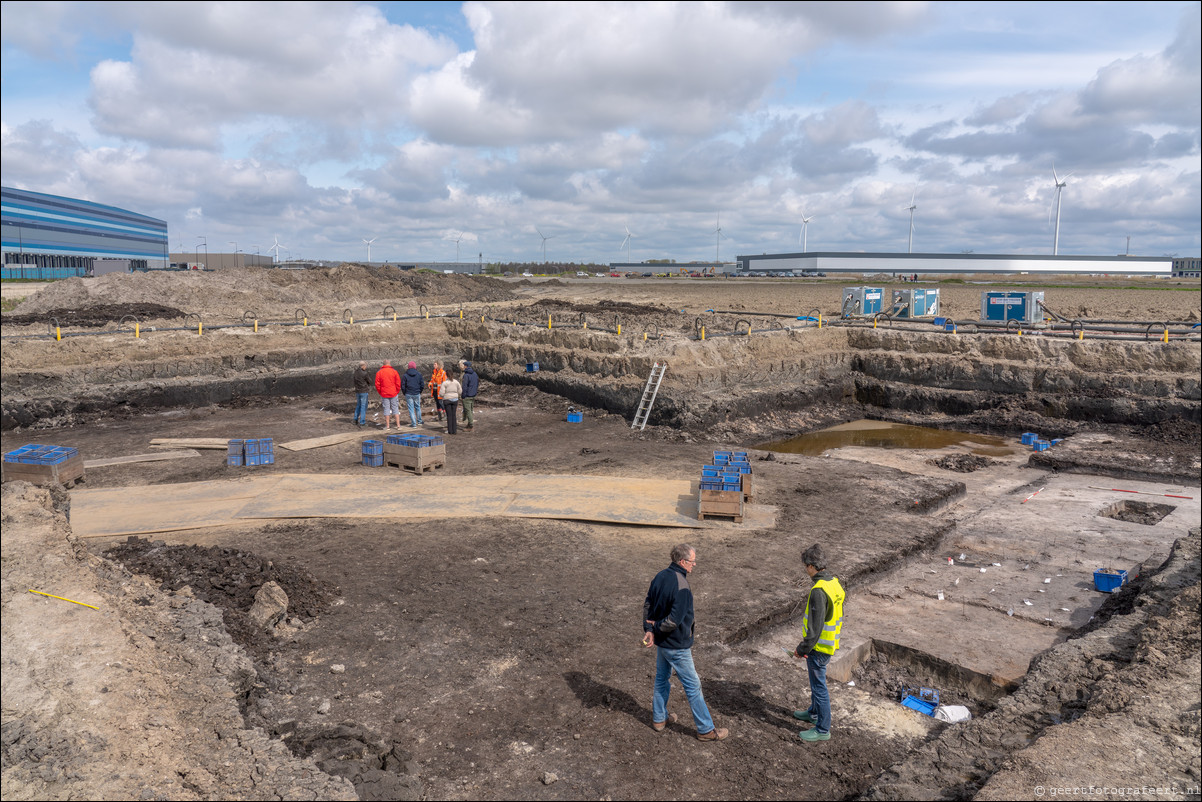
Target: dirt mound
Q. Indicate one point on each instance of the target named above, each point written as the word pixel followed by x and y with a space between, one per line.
pixel 269 292
pixel 962 463
pixel 228 579
pixel 95 316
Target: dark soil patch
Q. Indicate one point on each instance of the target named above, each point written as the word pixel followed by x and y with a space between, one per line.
pixel 962 463
pixel 96 316
pixel 229 580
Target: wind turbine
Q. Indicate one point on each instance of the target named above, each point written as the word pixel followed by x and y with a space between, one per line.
pixel 276 247
pixel 805 225
pixel 911 208
pixel 368 242
pixel 1060 185
pixel 545 238
pixel 626 241
pixel 458 238
pixel 717 238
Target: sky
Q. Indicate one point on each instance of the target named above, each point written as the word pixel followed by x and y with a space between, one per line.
pixel 518 131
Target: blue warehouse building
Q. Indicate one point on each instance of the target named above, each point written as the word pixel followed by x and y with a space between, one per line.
pixel 52 237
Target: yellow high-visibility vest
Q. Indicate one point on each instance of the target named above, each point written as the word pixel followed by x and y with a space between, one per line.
pixel 828 641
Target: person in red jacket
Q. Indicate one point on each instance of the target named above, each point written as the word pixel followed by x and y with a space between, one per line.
pixel 388 385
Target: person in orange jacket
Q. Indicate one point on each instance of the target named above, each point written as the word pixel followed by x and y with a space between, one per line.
pixel 439 376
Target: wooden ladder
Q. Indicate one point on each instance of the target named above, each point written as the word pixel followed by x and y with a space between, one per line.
pixel 649 392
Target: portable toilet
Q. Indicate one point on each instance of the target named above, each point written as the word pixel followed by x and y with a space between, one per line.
pixel 1001 307
pixel 911 303
pixel 863 301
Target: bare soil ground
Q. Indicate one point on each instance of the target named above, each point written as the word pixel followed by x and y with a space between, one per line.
pixel 488 658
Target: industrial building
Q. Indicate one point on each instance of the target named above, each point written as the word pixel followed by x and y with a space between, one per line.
pixel 52 237
pixel 906 264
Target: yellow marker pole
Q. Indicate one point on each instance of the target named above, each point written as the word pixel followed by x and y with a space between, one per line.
pixel 548 321
pixel 874 322
pixel 619 329
pixel 137 331
pixel 256 325
pixel 1020 332
pixel 586 325
pixel 819 320
pixel 394 317
pixel 644 336
pixel 461 314
pixel 200 329
pixel 703 333
pixel 304 322
pixel 427 314
pixel 1166 336
pixel 51 595
pixel 58 334
pixel 1081 334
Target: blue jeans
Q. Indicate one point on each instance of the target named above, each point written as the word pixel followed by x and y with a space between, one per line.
pixel 682 661
pixel 361 408
pixel 415 409
pixel 820 698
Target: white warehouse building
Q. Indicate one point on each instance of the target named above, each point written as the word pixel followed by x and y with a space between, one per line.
pixel 925 263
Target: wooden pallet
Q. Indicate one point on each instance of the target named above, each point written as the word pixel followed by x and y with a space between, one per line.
pixel 414 459
pixel 748 493
pixel 66 473
pixel 720 504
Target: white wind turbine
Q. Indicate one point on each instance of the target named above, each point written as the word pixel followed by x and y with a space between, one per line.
pixel 1061 182
pixel 805 226
pixel 276 247
pixel 545 238
pixel 911 208
pixel 717 237
pixel 368 242
pixel 458 239
pixel 626 242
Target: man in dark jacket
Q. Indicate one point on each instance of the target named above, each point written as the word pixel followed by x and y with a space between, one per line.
pixel 820 631
pixel 411 387
pixel 471 386
pixel 668 623
pixel 362 381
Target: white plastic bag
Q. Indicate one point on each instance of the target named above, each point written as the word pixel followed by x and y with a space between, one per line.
pixel 952 714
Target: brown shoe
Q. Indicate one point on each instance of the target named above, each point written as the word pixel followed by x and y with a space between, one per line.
pixel 716 734
pixel 659 726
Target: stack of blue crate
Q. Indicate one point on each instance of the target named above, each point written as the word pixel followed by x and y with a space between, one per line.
pixel 34 454
pixel 251 451
pixel 414 440
pixel 726 471
pixel 373 453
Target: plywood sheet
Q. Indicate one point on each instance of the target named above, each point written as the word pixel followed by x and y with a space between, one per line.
pixel 328 440
pixel 191 442
pixel 159 457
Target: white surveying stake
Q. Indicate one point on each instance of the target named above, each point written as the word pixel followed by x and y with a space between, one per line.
pixel 649 392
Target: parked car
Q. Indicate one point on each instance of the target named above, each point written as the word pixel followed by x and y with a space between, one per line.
pixel 581 274
pixel 615 274
pixel 528 275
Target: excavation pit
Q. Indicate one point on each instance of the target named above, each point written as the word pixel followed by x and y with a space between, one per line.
pixel 1137 512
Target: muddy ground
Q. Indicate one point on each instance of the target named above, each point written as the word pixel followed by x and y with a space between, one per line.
pixel 473 658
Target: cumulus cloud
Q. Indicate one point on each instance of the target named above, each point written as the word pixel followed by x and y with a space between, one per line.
pixel 197 67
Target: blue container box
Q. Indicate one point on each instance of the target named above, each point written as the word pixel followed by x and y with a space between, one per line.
pixel 373 447
pixel 1108 582
pixel 949 327
pixel 1029 438
pixel 373 460
pixel 1041 445
pixel 267 459
pixel 940 321
pixel 235 447
pixel 234 460
pixel 37 454
pixel 925 701
pixel 711 485
pixel 532 367
pixel 575 417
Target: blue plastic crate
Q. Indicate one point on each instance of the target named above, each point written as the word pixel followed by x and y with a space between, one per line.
pixel 373 447
pixel 266 446
pixel 738 468
pixel 267 459
pixel 1040 445
pixel 940 321
pixel 575 417
pixel 250 447
pixel 924 701
pixel 1029 438
pixel 711 485
pixel 373 460
pixel 1107 581
pixel 236 447
pixel 532 367
pixel 950 327
pixel 234 460
pixel 732 486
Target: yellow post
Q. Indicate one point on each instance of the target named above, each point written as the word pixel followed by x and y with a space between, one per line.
pixel 461 314
pixel 585 325
pixel 200 329
pixel 619 329
pixel 644 336
pixel 304 321
pixel 819 320
pixel 256 325
pixel 1166 336
pixel 352 319
pixel 703 332
pixel 1081 334
pixel 58 334
pixel 427 314
pixel 1020 332
pixel 137 330
pixel 548 321
pixel 874 322
pixel 394 317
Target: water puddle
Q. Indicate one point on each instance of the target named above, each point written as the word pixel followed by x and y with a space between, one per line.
pixel 882 434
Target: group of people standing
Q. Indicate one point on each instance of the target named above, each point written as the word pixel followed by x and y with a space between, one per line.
pixel 447 392
pixel 668 625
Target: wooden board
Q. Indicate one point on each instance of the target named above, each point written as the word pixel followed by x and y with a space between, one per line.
pixel 159 457
pixel 191 442
pixel 329 440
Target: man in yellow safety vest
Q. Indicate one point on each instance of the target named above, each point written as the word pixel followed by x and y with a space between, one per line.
pixel 819 641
